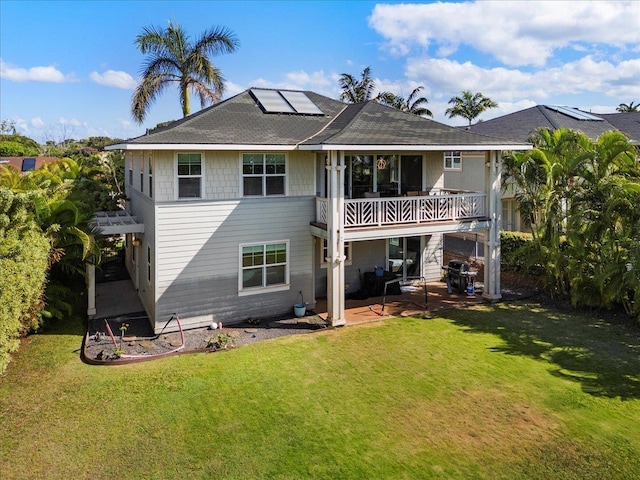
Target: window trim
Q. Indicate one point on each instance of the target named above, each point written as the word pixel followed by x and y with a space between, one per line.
pixel 270 288
pixel 349 253
pixel 177 177
pixel 451 155
pixel 264 175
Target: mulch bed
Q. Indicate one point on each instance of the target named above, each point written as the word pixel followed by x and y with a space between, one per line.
pixel 138 343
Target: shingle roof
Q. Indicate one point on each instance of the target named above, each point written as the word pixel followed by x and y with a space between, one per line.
pixel 371 123
pixel 240 121
pixel 628 123
pixel 519 126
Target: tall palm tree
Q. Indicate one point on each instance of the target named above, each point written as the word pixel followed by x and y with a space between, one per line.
pixel 412 104
pixel 469 105
pixel 174 59
pixel 626 108
pixel 354 90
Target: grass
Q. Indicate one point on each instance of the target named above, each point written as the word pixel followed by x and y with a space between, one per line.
pixel 497 391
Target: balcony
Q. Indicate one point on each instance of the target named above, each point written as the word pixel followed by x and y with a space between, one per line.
pixel 412 210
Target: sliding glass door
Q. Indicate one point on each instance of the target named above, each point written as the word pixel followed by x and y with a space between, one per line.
pixel 405 256
pixel 382 175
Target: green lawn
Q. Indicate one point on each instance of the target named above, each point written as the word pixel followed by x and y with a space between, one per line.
pixel 499 391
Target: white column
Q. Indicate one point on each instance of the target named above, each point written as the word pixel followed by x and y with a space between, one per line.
pixel 335 240
pixel 91 289
pixel 492 246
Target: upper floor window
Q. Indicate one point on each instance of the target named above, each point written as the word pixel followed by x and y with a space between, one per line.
pixel 452 160
pixel 189 175
pixel 263 174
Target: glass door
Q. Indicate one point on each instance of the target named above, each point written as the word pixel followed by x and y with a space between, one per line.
pixel 411 171
pixel 405 256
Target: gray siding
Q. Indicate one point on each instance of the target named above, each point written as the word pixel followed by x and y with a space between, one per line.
pixel 472 175
pixel 198 251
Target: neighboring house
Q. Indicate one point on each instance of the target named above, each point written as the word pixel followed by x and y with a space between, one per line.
pixel 520 126
pixel 245 207
pixel 26 164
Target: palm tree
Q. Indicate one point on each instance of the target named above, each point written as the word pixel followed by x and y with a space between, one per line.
pixel 174 59
pixel 354 90
pixel 412 104
pixel 469 105
pixel 626 108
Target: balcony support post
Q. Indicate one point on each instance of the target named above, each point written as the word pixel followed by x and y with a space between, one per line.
pixel 335 239
pixel 492 289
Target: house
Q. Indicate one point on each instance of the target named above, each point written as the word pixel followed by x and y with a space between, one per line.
pixel 274 197
pixel 521 125
pixel 26 164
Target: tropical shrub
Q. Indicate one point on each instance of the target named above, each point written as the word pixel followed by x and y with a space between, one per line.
pixel 512 248
pixel 24 253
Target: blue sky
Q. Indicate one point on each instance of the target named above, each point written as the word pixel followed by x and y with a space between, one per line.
pixel 68 68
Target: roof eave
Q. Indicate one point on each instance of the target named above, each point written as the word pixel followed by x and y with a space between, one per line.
pixel 429 147
pixel 198 146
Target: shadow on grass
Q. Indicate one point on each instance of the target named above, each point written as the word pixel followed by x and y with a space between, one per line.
pixel 602 354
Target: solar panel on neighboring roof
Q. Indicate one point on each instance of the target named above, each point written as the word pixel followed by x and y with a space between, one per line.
pixel 575 113
pixel 285 101
pixel 271 101
pixel 28 164
pixel 301 102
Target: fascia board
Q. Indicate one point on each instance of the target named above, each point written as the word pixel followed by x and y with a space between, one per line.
pixel 431 147
pixel 198 146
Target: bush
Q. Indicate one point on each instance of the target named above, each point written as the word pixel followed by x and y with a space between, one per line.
pixel 512 245
pixel 24 253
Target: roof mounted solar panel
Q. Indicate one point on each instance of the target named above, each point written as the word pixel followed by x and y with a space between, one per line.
pixel 301 102
pixel 575 113
pixel 271 101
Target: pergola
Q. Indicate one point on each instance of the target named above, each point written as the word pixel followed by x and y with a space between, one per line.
pixel 108 224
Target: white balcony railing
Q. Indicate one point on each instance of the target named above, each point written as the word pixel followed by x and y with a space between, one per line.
pixel 366 212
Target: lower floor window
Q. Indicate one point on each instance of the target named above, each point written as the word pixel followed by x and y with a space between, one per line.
pixel 264 265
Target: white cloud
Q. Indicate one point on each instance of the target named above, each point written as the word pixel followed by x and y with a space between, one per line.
pixel 71 122
pixel 448 77
pixel 113 78
pixel 37 122
pixel 313 80
pixel 514 32
pixel 34 74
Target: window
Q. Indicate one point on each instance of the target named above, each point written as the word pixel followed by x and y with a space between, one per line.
pixel 149 264
pixel 452 160
pixel 189 175
pixel 264 266
pixel 263 174
pixel 150 167
pixel 131 171
pixel 347 254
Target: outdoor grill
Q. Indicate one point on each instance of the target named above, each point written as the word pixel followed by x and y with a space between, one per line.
pixel 457 275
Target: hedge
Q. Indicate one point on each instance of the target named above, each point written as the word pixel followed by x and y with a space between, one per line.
pixel 24 253
pixel 511 246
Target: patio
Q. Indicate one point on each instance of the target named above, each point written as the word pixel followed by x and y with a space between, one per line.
pixel 120 299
